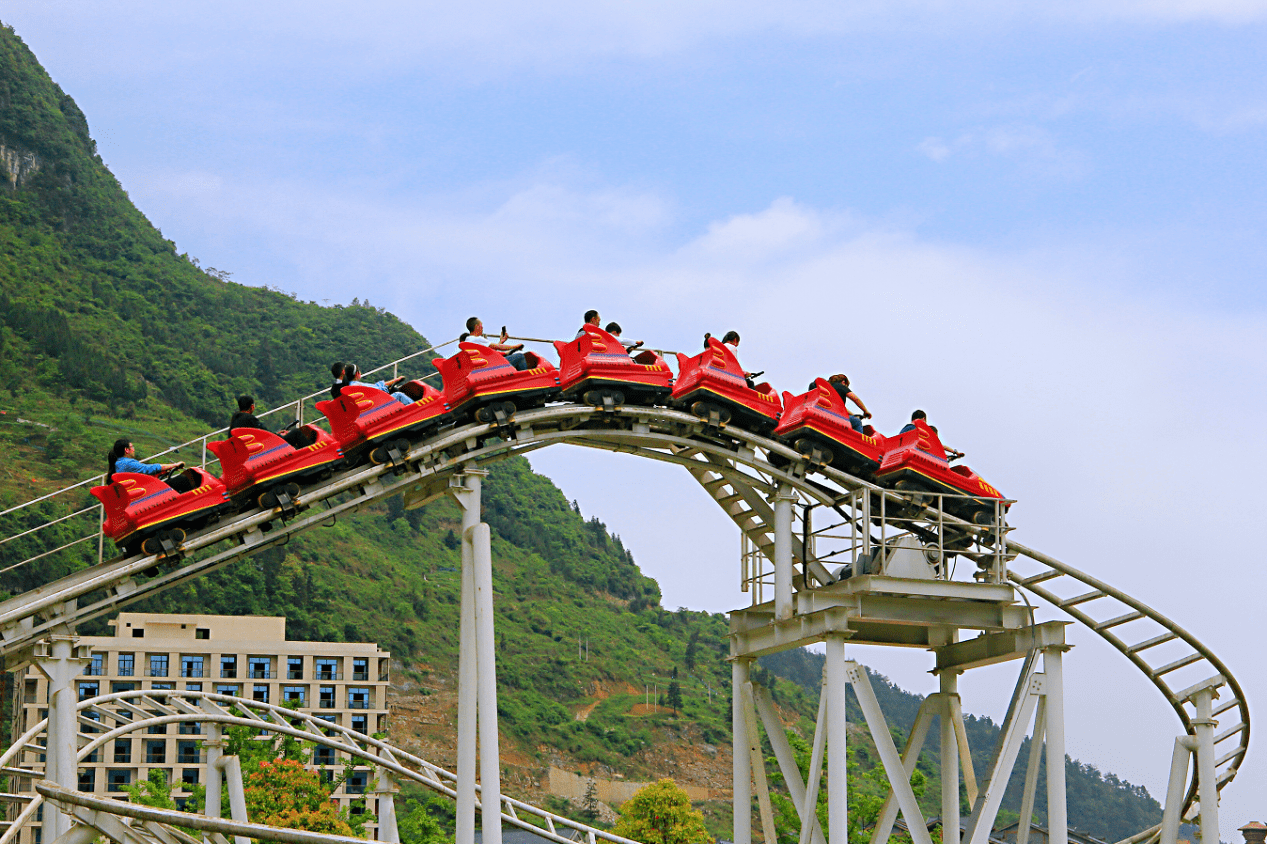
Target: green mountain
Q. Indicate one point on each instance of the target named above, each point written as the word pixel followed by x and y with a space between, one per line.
pixel 106 331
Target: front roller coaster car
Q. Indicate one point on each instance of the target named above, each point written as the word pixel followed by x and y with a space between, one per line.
pixel 816 424
pixel 480 383
pixel 265 470
pixel 598 370
pixel 366 418
pixel 916 460
pixel 143 513
pixel 712 385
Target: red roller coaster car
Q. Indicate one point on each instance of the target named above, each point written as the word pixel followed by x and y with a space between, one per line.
pixel 596 368
pixel 713 386
pixel 480 383
pixel 365 416
pixel 144 514
pixel 818 420
pixel 262 468
pixel 917 460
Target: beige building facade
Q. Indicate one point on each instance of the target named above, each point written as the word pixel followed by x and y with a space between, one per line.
pixel 344 683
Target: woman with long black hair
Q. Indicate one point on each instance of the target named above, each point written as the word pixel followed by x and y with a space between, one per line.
pixel 122 458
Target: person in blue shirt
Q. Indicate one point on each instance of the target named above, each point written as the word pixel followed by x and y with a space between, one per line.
pixel 122 458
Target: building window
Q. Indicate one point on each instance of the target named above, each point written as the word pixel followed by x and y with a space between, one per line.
pixel 88 780
pixel 190 728
pixel 222 689
pixel 118 777
pixel 328 669
pixel 260 692
pixel 358 698
pixel 358 782
pixel 127 665
pixel 361 669
pixel 156 752
pixel 326 697
pixel 202 633
pixel 181 803
pixel 191 666
pixel 156 729
pixel 123 751
pixel 189 776
pixel 158 665
pixel 323 756
pixel 89 688
pixel 229 666
pixel 193 687
pixel 91 715
pixel 294 668
pixel 37 835
pixel 96 667
pixel 261 668
pixel 297 693
pixel 117 686
pixel 360 723
pixel 187 752
pixel 163 686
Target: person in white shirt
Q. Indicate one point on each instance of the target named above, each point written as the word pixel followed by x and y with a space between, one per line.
pixel 513 353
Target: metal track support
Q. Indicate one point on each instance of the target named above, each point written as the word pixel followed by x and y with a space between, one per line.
pixel 949 688
pixel 1053 729
pixel 477 677
pixel 1185 746
pixel 783 573
pixel 61 662
pixel 214 745
pixel 837 725
pixel 232 767
pixel 386 799
pixel 910 755
pixel 742 759
pixel 787 760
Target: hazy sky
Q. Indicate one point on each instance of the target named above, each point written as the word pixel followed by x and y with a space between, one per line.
pixel 1043 225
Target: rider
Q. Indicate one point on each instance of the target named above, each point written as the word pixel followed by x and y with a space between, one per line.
pixel 245 418
pixel 613 328
pixel 122 458
pixel 732 339
pixel 840 383
pixel 951 453
pixel 352 378
pixel 514 354
pixel 591 318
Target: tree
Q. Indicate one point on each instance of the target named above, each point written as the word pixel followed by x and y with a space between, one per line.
pixel 284 793
pixel 675 696
pixel 589 805
pixel 661 813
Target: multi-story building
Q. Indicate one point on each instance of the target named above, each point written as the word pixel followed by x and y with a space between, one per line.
pixel 344 683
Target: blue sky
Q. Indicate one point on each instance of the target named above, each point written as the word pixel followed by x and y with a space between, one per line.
pixel 1043 225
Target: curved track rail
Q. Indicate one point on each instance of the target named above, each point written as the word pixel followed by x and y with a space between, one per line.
pixel 740 471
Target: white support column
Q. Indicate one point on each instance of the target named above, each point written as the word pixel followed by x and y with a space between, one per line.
pixel 386 789
pixel 214 745
pixel 486 668
pixel 232 767
pixel 783 552
pixel 949 685
pixel 1054 695
pixel 837 725
pixel 1207 784
pixel 467 494
pixel 765 809
pixel 61 663
pixel 742 759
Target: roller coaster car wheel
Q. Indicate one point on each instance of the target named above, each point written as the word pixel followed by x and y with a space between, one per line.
pixel 608 400
pixel 499 413
pixel 392 452
pixel 985 518
pixel 712 414
pixel 777 460
pixel 163 543
pixel 283 496
pixel 812 450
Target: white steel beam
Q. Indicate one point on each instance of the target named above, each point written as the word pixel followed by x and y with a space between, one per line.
pixel 741 759
pixel 61 664
pixel 467 494
pixel 1207 786
pixel 949 684
pixel 784 755
pixel 987 805
pixel 1031 773
pixel 894 769
pixel 783 552
pixel 1184 748
pixel 486 669
pixel 809 817
pixel 1054 730
pixel 837 727
pixel 232 766
pixel 765 810
pixel 910 755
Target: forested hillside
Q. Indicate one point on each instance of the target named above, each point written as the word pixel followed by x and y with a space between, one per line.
pixel 106 331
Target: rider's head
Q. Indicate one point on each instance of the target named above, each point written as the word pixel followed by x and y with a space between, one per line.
pixel 732 337
pixel 246 404
pixel 919 414
pixel 472 323
pixel 591 317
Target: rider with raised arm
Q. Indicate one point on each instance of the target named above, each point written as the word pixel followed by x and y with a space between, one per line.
pixel 840 383
pixel 513 353
pixel 352 378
